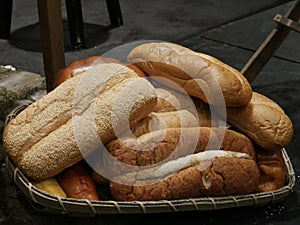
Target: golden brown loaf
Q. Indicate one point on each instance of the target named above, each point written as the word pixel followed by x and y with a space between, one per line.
pixel 264 121
pixel 272 170
pixel 229 174
pixel 171 143
pixel 42 140
pixel 200 75
pixel 77 182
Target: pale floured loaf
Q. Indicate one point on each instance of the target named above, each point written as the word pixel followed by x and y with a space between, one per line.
pixel 42 139
pixel 198 74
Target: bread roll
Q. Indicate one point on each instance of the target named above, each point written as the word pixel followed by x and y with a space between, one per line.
pixel 42 139
pixel 50 186
pixel 163 120
pixel 169 100
pixel 77 182
pixel 172 110
pixel 272 170
pixel 264 121
pixel 169 144
pixel 211 173
pixel 79 67
pixel 200 75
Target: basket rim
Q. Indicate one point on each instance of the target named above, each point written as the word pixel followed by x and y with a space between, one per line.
pixel 92 207
pixel 45 202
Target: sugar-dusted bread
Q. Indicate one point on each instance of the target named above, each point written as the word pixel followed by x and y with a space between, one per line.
pixel 52 133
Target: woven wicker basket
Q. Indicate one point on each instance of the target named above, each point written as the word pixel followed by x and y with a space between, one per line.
pixel 42 201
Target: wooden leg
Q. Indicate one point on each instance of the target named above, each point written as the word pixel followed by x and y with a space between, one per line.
pixel 5 17
pixel 270 45
pixel 114 11
pixel 75 22
pixel 52 39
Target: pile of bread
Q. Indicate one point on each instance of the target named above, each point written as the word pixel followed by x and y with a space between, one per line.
pixel 173 124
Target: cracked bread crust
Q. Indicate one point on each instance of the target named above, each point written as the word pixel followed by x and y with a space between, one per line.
pixel 148 149
pixel 264 121
pixel 224 176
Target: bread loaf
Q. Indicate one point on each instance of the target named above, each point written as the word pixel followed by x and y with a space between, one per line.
pixel 169 144
pixel 211 173
pixel 264 121
pixel 200 75
pixel 42 139
pixel 199 116
pixel 169 100
pixel 50 186
pixel 77 182
pixel 79 67
pixel 272 170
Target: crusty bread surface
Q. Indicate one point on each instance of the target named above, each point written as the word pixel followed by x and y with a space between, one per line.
pixel 200 75
pixel 264 121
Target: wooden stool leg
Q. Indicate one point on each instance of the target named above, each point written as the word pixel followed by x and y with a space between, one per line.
pixel 270 45
pixel 114 11
pixel 52 39
pixel 5 17
pixel 75 23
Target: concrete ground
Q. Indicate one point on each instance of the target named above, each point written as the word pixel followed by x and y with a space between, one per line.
pixel 230 30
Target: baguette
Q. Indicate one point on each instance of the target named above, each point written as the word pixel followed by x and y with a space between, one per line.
pixel 211 173
pixel 200 75
pixel 42 141
pixel 169 144
pixel 264 121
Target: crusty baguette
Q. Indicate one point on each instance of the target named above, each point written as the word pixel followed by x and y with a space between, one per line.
pixel 163 145
pixel 205 175
pixel 264 121
pixel 200 75
pixel 42 140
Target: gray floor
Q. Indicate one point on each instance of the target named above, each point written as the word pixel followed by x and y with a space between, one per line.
pixel 230 30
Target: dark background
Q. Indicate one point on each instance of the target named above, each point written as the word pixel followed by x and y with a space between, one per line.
pixel 230 30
